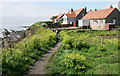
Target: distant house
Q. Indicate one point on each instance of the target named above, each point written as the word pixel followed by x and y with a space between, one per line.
pixel 72 16
pixel 53 19
pixel 101 19
pixel 57 18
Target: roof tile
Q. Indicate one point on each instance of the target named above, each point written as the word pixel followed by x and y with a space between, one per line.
pixel 100 14
pixel 74 13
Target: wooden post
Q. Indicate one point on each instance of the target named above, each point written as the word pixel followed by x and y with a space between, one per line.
pixel 97 42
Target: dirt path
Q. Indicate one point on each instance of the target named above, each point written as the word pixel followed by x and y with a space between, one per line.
pixel 38 67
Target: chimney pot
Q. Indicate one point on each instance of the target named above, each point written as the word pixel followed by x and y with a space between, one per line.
pixel 71 10
pixel 85 9
pixel 90 10
pixel 111 6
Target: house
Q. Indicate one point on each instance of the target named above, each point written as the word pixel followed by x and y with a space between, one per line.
pixel 57 18
pixel 53 19
pixel 101 19
pixel 72 16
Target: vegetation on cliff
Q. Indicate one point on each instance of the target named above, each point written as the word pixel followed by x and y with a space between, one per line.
pixel 37 41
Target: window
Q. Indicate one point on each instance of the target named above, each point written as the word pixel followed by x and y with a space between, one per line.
pixel 83 15
pixel 65 19
pixel 95 21
pixel 114 21
pixel 102 21
pixel 71 23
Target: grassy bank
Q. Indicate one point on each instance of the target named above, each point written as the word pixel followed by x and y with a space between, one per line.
pixel 20 58
pixel 85 52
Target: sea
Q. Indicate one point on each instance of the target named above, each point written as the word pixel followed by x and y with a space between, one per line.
pixel 13 27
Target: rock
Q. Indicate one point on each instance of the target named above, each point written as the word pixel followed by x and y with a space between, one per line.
pixel 10 37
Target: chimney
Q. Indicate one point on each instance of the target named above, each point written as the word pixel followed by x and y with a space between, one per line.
pixel 95 9
pixel 111 6
pixel 85 9
pixel 90 9
pixel 71 10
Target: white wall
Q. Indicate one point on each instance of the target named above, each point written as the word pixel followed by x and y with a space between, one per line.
pixel 69 19
pixel 83 23
pixel 97 26
pixel 80 23
pixel 64 22
pixel 55 21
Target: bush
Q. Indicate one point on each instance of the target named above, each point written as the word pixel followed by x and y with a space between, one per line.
pixel 101 47
pixel 74 61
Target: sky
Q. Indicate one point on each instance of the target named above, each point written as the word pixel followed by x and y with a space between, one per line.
pixel 16 13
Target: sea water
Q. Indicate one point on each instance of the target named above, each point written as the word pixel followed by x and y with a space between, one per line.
pixel 12 27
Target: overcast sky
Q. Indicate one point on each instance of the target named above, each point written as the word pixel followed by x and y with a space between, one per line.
pixel 16 13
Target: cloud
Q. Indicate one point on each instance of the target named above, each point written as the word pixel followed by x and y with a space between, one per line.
pixel 114 4
pixel 28 10
pixel 26 13
pixel 0 16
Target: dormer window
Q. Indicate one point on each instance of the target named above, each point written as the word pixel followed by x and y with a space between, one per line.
pixel 95 21
pixel 65 19
pixel 83 15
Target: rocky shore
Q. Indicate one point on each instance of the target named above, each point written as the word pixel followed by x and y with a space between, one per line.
pixel 9 38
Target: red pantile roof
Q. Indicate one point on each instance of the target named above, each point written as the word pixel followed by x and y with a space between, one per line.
pixel 74 13
pixel 70 15
pixel 100 14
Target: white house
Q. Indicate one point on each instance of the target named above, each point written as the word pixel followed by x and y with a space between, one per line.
pixel 57 18
pixel 69 19
pixel 72 16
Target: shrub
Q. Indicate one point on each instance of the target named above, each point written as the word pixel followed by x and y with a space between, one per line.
pixel 101 47
pixel 74 61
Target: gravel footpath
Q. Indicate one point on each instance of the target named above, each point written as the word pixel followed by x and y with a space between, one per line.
pixel 38 67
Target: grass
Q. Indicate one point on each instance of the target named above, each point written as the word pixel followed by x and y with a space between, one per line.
pixel 100 58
